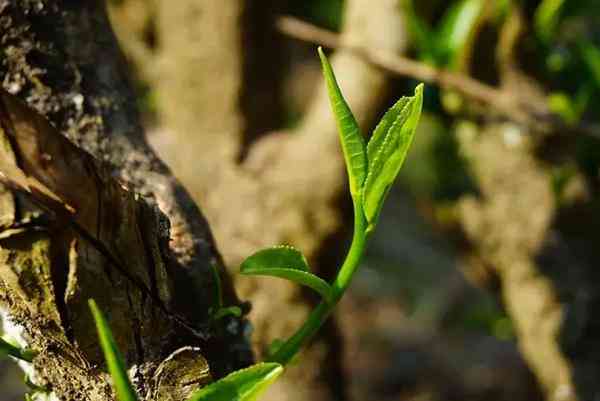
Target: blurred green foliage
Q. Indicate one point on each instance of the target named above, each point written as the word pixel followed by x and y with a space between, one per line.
pixel 568 38
pixel 442 45
pixel 325 13
pixel 562 50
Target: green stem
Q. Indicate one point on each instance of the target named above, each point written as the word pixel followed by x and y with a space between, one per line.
pixel 320 314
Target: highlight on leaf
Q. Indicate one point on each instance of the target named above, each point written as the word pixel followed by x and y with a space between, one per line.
pixel 114 359
pixel 353 143
pixel 387 151
pixel 288 263
pixel 243 385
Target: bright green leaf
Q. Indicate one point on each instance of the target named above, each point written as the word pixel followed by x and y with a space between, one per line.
pixel 457 28
pixel 386 156
pixel 304 278
pixel 6 348
pixel 114 360
pixel 288 263
pixel 353 144
pixel 244 385
pixel 546 18
pixel 382 129
pixel 276 257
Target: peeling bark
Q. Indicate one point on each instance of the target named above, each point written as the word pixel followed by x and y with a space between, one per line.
pixel 152 273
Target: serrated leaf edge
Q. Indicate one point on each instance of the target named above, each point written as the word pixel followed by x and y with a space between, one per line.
pixel 377 160
pixel 406 112
pixel 350 140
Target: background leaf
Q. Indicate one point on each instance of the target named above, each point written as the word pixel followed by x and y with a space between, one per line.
pixel 456 29
pixel 591 58
pixel 353 143
pixel 244 385
pixel 114 359
pixel 383 128
pixel 546 18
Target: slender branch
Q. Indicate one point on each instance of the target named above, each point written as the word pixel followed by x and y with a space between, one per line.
pixel 504 102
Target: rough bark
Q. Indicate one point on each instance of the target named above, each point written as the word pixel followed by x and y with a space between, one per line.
pixel 156 283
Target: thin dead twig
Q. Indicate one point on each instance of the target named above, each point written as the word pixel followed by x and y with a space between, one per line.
pixel 506 103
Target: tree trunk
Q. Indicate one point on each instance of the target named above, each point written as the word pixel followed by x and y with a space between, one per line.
pixel 148 260
pixel 545 263
pixel 211 64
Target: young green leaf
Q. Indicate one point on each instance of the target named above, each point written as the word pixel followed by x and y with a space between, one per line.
pixel 353 143
pixel 278 256
pixel 387 150
pixel 114 360
pixel 307 279
pixel 383 127
pixel 7 348
pixel 244 385
pixel 288 263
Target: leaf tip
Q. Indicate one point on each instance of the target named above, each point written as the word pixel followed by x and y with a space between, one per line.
pixel 419 90
pixel 324 61
pixel 93 306
pixel 320 51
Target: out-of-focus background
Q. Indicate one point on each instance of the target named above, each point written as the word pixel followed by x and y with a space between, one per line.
pixel 481 280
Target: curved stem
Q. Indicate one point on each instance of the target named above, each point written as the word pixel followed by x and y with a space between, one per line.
pixel 318 316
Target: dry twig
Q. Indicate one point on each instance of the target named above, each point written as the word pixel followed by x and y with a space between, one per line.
pixel 506 103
